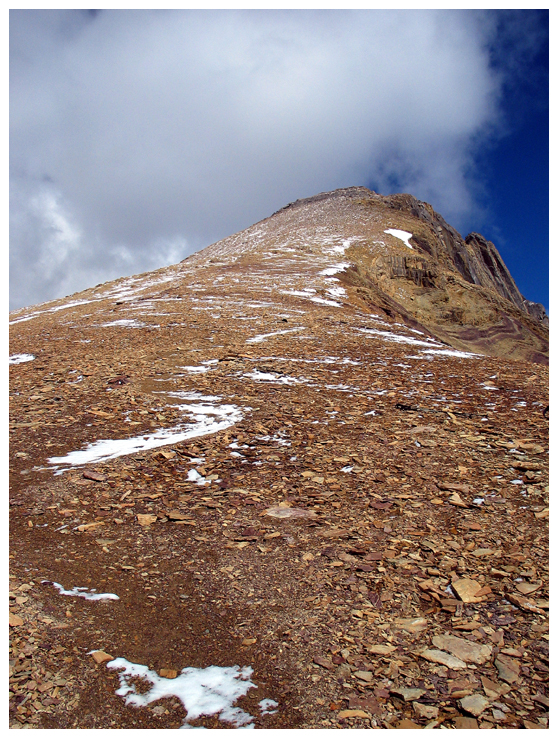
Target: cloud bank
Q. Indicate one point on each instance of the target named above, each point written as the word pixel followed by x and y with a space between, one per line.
pixel 138 137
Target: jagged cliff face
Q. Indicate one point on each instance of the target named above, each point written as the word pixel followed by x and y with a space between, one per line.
pixel 458 289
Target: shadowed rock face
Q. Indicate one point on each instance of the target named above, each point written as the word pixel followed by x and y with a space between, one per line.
pixel 459 289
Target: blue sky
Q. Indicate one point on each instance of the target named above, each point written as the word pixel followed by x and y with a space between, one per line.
pixel 139 137
pixel 516 172
pixel 516 169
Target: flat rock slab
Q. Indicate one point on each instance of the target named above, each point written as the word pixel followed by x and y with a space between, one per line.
pixel 101 657
pixel 467 651
pixel 353 714
pixel 441 657
pixel 428 712
pixel 93 475
pixel 289 512
pixel 474 704
pixel 465 723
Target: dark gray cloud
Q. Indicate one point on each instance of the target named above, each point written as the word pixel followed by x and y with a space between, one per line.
pixel 138 137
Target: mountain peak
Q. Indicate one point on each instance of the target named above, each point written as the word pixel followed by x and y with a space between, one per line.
pixel 457 289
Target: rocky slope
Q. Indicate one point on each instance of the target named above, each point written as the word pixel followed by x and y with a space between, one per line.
pixel 278 461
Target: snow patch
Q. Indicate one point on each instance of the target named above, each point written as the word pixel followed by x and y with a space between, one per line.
pixel 401 235
pixel 321 301
pixel 209 691
pixel 334 269
pixel 396 337
pixel 258 376
pixel 266 707
pixel 83 592
pixel 194 476
pixel 337 291
pixel 21 358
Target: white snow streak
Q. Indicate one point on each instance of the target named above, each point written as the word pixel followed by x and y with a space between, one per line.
pixel 263 336
pixel 205 419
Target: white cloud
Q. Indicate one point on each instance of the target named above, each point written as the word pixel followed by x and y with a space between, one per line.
pixel 149 134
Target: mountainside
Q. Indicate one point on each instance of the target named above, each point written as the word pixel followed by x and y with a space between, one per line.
pixel 299 480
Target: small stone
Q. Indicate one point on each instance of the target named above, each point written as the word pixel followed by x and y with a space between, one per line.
pixel 408 693
pixel 407 724
pixel 321 661
pixel 99 657
pixel 289 512
pixel 491 689
pixel 533 726
pixel 380 649
pixel 343 671
pixel 524 603
pixel 365 676
pixel 542 700
pixel 15 620
pixel 429 712
pixel 526 587
pixel 498 715
pixel 482 553
pixel 145 520
pixel 456 500
pixel 508 668
pixel 352 713
pixel 168 673
pixel 369 704
pixel 177 515
pixel 466 589
pixel 88 526
pixel 465 723
pixel 441 657
pixel 474 704
pixel 411 625
pixel 248 641
pixel 95 476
